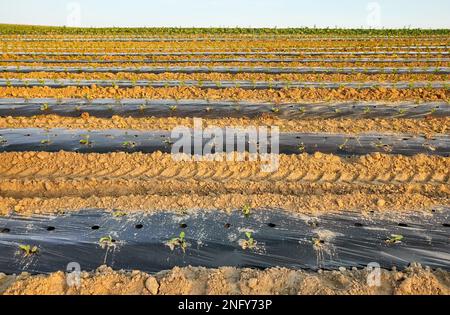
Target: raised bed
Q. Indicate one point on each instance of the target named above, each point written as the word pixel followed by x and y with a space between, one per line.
pixel 252 85
pixel 229 60
pixel 84 141
pixel 139 241
pixel 233 70
pixel 107 108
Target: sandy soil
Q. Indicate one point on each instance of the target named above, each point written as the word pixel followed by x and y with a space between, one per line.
pixel 54 182
pixel 242 44
pixel 283 95
pixel 360 77
pixel 427 126
pixel 414 280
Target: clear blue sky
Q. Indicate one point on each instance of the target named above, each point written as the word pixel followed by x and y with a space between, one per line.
pixel 230 13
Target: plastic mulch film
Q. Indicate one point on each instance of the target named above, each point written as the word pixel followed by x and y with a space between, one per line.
pixel 107 108
pixel 228 60
pixel 254 85
pixel 114 140
pixel 233 53
pixel 264 238
pixel 233 70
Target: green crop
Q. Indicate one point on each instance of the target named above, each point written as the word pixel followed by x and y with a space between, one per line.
pixel 179 241
pixel 394 239
pixel 246 210
pixel 29 250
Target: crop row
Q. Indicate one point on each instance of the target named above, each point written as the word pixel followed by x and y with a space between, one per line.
pixel 218 84
pixel 107 108
pixel 101 141
pixel 234 53
pixel 236 63
pixel 231 70
pixel 159 241
pixel 8 29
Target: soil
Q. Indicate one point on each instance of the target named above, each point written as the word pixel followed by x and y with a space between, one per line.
pixel 290 77
pixel 283 95
pixel 428 126
pixel 242 44
pixel 373 184
pixel 414 280
pixel 53 182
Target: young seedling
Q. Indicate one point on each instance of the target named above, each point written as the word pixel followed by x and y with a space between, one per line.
pixel 173 108
pixel 429 146
pixel 249 243
pixel 301 147
pixel 28 250
pixel 106 241
pixel 45 142
pixel 432 111
pixel 246 210
pixel 85 140
pixel 129 144
pixel 394 239
pixel 168 142
pixel 44 107
pixel 317 243
pixel 342 146
pixel 119 214
pixel 275 109
pixel 178 242
pixel 401 111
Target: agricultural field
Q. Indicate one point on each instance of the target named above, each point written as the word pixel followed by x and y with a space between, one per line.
pixel 341 184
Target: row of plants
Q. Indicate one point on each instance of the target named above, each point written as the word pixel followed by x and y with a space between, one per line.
pixel 180 241
pixel 15 29
pixel 221 84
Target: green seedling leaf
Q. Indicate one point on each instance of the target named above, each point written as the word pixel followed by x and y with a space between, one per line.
pixel 246 210
pixel 249 242
pixel 178 242
pixel 119 214
pixel 28 250
pixel 105 239
pixel 301 147
pixel 85 140
pixel 394 239
pixel 129 144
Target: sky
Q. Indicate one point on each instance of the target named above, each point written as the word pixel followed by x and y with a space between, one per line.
pixel 229 13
